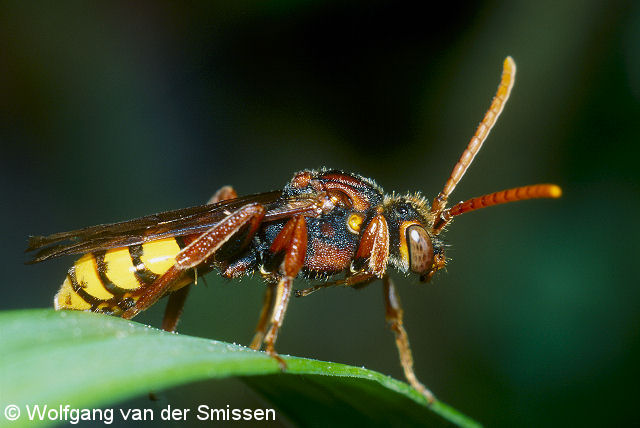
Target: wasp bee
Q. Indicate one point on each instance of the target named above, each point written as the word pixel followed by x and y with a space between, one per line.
pixel 326 225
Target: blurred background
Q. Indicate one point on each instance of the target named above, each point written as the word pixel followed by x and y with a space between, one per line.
pixel 110 111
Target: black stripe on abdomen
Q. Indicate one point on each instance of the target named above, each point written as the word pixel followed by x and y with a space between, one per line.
pixel 106 282
pixel 144 275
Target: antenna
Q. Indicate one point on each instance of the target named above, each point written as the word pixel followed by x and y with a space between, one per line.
pixel 490 118
pixel 502 197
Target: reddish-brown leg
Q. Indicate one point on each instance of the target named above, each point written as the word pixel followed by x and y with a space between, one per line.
pixel 174 308
pixel 177 299
pixel 292 240
pixel 360 280
pixel 374 246
pixel 394 315
pixel 155 291
pixel 197 252
pixel 357 281
pixel 261 328
pixel 283 294
pixel 224 193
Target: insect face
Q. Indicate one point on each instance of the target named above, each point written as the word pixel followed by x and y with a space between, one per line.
pixel 413 246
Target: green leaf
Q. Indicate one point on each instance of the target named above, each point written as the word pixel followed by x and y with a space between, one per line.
pixel 77 358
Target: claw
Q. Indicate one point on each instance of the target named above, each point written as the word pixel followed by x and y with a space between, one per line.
pixel 273 354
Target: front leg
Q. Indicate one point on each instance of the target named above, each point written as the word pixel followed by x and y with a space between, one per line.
pixel 394 315
pixel 374 252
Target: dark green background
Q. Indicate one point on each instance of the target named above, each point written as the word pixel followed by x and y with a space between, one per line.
pixel 109 111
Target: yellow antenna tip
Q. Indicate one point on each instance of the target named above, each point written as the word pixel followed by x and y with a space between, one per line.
pixel 509 63
pixel 555 191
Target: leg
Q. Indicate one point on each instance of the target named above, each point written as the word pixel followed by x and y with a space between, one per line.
pixel 224 193
pixel 374 247
pixel 283 294
pixel 394 316
pixel 261 328
pixel 197 252
pixel 174 308
pixel 208 243
pixel 151 294
pixel 292 240
pixel 357 281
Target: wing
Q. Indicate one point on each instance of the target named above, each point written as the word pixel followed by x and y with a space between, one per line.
pixel 180 222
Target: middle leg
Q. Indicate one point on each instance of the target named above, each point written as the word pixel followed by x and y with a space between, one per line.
pixel 292 241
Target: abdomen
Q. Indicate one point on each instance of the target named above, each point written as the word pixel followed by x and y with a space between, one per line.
pixel 112 281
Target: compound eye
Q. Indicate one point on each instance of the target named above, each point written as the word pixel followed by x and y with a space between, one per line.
pixel 420 249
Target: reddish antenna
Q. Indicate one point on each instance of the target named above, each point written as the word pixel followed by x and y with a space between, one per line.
pixel 502 197
pixel 443 216
pixel 490 118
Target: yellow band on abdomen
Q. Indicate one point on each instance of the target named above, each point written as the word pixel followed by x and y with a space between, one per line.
pixel 120 269
pixel 67 298
pixel 158 256
pixel 87 276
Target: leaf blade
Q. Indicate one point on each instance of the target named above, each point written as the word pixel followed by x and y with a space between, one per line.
pixel 83 355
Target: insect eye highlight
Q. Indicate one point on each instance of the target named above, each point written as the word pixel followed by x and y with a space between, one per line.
pixel 420 250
